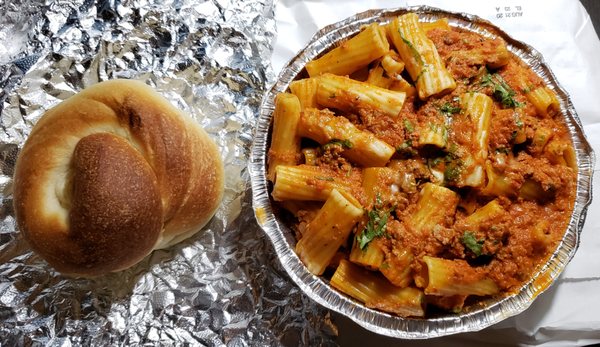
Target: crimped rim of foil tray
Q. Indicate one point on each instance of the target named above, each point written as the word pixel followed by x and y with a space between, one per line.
pixel 476 318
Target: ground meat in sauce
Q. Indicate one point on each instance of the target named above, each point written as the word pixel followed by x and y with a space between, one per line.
pixel 515 242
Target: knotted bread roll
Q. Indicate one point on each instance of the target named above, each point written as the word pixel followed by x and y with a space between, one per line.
pixel 111 174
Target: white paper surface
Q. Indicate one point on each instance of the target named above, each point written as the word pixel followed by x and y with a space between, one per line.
pixel 569 312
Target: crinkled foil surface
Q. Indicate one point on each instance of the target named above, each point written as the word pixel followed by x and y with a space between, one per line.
pixel 225 285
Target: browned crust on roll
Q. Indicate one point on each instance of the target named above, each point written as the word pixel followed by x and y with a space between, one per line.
pixel 112 173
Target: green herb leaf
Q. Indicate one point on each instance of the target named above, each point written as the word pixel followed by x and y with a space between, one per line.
pixel 408 126
pixel 322 178
pixel 468 240
pixel 404 146
pixel 413 50
pixel 424 70
pixel 452 171
pixel 375 227
pixel 518 121
pixel 501 90
pixel 527 89
pixel 346 144
pixel 435 162
pixel 448 108
pixel 513 136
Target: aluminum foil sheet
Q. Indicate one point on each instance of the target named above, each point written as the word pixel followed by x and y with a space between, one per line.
pixel 474 318
pixel 225 285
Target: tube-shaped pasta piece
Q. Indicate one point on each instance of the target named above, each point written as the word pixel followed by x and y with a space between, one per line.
pixel 478 107
pixel 346 94
pixel 328 231
pixel 335 261
pixel 306 91
pixel 357 52
pixel 370 257
pixel 533 190
pixel 435 205
pixel 376 292
pixel 377 182
pixel 402 85
pixel 541 238
pixel 305 182
pixel 434 133
pixel 543 99
pixel 396 267
pixel 420 56
pixel 499 184
pixel 456 277
pixel 285 143
pixel 377 78
pixel 361 147
pixel 392 63
pixel 541 136
pixel 490 211
pixel 310 156
pixel 560 152
pixel 438 24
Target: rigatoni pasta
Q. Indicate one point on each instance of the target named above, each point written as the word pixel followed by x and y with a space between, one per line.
pixel 346 94
pixel 360 146
pixel 358 52
pixel 285 144
pixel 328 231
pixel 439 175
pixel 420 56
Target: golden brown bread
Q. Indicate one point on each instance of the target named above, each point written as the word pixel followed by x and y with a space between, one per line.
pixel 111 174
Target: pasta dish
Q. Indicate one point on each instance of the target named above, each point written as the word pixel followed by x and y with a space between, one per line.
pixel 422 167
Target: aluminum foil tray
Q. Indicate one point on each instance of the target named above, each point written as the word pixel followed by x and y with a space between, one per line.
pixel 474 318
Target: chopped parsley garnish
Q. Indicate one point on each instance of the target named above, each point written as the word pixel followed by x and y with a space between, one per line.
pixel 406 144
pixel 346 144
pixel 433 127
pixel 424 70
pixel 527 89
pixel 519 124
pixel 375 227
pixel 452 150
pixel 416 55
pixel 408 126
pixel 453 166
pixel 413 50
pixel 406 147
pixel 518 121
pixel 513 136
pixel 448 108
pixel 435 162
pixel 330 179
pixel 452 171
pixel 501 91
pixel 468 240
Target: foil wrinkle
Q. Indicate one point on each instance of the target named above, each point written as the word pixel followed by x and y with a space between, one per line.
pixel 224 286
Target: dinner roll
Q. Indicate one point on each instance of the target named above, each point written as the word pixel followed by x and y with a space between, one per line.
pixel 111 174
